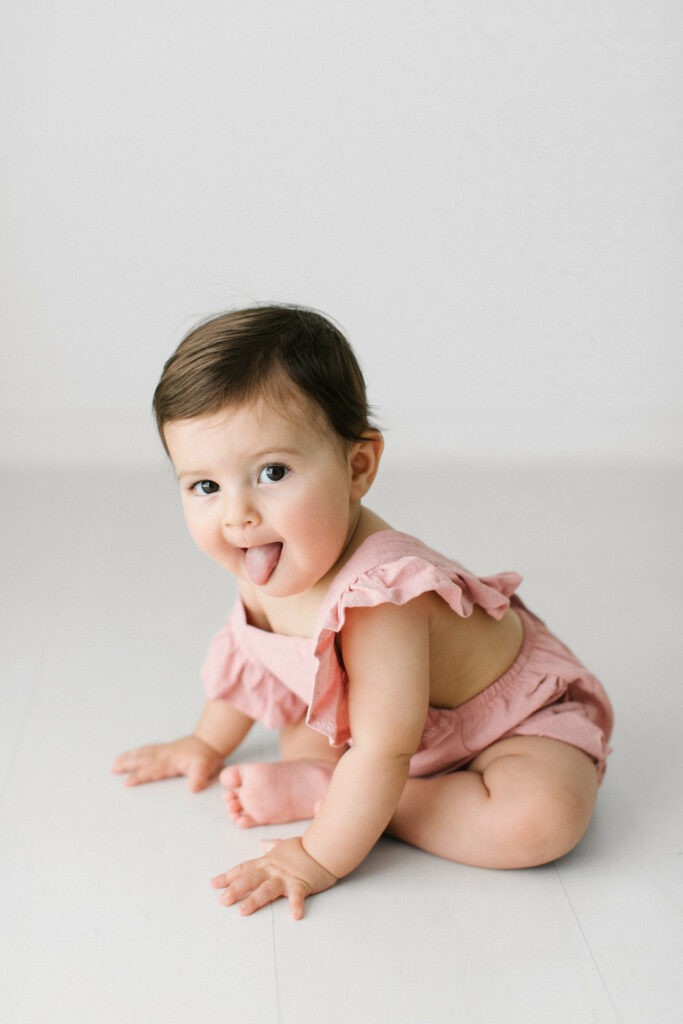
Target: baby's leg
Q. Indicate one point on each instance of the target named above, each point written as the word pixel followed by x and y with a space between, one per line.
pixel 523 801
pixel 300 742
pixel 271 793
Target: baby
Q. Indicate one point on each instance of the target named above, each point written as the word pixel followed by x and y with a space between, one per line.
pixel 412 697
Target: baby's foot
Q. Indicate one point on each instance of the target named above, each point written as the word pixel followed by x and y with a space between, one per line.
pixel 272 793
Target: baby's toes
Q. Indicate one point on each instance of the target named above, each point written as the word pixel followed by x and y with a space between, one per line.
pixel 244 821
pixel 236 811
pixel 233 802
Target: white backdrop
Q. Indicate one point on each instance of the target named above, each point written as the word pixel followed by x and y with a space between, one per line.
pixel 486 197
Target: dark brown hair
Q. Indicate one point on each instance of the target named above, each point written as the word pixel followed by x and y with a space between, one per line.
pixel 260 353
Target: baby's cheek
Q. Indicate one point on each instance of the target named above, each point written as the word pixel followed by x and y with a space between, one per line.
pixel 206 540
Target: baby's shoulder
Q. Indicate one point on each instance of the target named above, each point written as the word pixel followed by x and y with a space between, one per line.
pixel 391 567
pixel 386 558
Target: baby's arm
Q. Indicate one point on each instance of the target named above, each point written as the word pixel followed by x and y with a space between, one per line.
pixel 200 756
pixel 386 654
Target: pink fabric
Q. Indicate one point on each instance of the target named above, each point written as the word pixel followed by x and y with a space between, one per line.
pixel 244 665
pixel 546 692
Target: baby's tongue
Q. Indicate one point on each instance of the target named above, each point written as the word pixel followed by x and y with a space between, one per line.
pixel 261 561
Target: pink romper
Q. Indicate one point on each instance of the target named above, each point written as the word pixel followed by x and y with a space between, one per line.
pixel 277 679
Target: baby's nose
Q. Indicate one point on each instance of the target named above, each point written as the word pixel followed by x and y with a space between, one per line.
pixel 239 511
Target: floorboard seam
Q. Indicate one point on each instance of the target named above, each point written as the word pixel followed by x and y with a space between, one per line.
pixel 278 1008
pixel 587 943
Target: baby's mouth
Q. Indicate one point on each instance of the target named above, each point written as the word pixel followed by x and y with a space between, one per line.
pixel 260 561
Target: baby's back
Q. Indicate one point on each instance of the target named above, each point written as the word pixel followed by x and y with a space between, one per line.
pixel 468 654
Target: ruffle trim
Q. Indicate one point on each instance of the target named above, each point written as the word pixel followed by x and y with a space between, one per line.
pixel 229 673
pixel 396 582
pixel 406 578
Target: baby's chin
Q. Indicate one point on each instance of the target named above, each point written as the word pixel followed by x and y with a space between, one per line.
pixel 283 584
pixel 282 588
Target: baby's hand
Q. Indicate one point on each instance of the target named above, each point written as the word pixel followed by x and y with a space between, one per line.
pixel 286 870
pixel 188 756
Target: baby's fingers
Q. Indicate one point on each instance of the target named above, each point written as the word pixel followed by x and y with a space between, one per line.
pixel 146 774
pixel 296 891
pixel 238 883
pixel 133 759
pixel 256 888
pixel 148 764
pixel 242 878
pixel 126 762
pixel 199 776
pixel 272 889
pixel 297 894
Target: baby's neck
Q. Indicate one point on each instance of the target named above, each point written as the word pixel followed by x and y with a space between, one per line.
pixel 368 523
pixel 297 615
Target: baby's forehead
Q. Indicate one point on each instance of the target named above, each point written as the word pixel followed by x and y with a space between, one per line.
pixel 286 407
pixel 268 419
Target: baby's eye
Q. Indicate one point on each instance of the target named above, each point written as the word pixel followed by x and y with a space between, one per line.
pixel 273 474
pixel 204 487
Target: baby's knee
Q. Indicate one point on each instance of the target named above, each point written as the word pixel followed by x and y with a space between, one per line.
pixel 549 824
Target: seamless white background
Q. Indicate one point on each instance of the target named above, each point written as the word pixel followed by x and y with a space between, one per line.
pixel 485 196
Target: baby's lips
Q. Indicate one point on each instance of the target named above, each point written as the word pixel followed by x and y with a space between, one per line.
pixel 260 561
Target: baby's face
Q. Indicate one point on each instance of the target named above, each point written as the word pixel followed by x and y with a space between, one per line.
pixel 269 497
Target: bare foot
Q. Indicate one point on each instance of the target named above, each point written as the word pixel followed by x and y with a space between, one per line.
pixel 272 793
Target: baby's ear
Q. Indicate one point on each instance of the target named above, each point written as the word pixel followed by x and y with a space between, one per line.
pixel 364 458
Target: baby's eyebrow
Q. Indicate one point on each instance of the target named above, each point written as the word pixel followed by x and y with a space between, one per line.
pixel 276 451
pixel 197 473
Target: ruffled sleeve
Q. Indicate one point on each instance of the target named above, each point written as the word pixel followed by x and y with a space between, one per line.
pixel 232 673
pixel 393 582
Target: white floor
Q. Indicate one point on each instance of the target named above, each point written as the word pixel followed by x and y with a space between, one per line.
pixel 107 915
